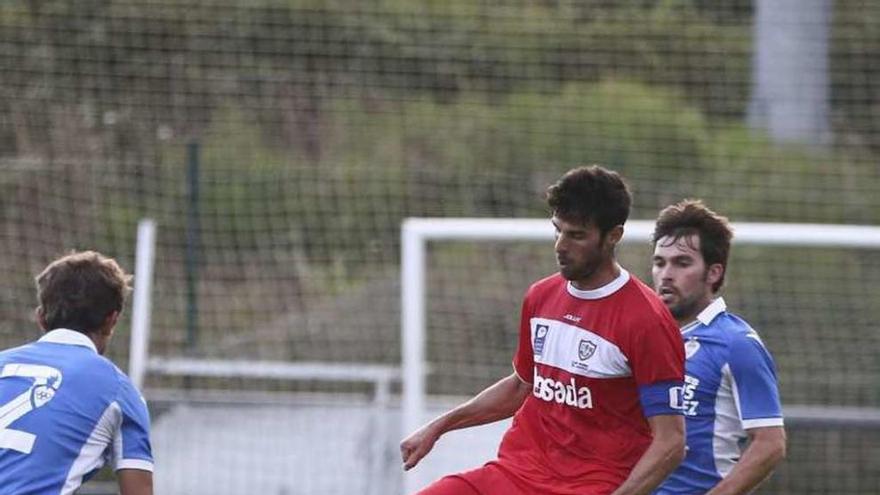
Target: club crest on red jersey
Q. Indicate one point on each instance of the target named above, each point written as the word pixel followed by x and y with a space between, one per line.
pixel 586 349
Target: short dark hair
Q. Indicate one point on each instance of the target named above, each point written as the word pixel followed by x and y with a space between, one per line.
pixel 79 290
pixel 591 194
pixel 692 217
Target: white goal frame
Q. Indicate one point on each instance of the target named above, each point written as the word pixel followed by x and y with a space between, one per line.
pixel 141 363
pixel 417 232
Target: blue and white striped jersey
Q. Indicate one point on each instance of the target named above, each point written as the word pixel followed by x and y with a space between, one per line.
pixel 730 386
pixel 64 412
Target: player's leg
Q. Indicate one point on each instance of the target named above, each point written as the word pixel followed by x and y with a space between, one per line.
pixel 450 485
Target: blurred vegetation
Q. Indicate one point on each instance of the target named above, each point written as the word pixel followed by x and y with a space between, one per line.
pixel 323 124
pixel 347 116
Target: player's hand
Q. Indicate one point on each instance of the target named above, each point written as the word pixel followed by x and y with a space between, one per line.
pixel 416 446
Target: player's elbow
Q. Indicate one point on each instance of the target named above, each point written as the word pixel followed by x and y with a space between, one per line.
pixel 674 448
pixel 677 450
pixel 669 437
pixel 778 450
pixel 774 447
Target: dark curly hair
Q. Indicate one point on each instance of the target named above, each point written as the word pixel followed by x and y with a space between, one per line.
pixel 692 217
pixel 79 290
pixel 591 194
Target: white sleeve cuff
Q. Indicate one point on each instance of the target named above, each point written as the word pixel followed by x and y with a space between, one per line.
pixel 748 424
pixel 139 464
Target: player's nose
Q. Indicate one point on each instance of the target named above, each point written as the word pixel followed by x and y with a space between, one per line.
pixel 560 244
pixel 663 276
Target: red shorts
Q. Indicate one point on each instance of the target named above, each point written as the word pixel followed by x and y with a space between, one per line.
pixel 487 480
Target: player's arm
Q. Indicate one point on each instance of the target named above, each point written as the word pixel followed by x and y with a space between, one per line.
pixel 498 401
pixel 657 357
pixel 757 399
pixel 135 482
pixel 131 450
pixel 765 451
pixel 663 455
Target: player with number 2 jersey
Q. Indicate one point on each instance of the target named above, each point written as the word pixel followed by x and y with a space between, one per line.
pixel 65 410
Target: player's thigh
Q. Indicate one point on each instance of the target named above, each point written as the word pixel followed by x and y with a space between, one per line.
pixel 487 480
pixel 450 485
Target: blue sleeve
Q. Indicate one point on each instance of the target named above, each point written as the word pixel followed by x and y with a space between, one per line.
pixel 131 447
pixel 755 387
pixel 660 398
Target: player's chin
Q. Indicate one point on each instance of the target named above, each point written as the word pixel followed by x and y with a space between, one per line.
pixel 572 272
pixel 566 271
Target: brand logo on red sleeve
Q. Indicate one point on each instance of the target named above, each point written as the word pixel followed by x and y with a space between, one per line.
pixel 540 337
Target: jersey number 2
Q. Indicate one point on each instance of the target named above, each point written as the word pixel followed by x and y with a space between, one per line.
pixel 46 381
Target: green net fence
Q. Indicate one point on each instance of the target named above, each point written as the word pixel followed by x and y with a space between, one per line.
pixel 279 143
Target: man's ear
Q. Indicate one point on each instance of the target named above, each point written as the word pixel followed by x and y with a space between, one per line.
pixel 614 235
pixel 110 322
pixel 40 315
pixel 714 273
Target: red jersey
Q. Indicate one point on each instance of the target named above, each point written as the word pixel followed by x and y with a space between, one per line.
pixel 600 362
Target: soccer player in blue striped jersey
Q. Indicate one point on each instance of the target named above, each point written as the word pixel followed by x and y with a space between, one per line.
pixel 735 434
pixel 64 409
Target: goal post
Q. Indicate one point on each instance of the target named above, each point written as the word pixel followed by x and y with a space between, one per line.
pixel 416 233
pixel 145 256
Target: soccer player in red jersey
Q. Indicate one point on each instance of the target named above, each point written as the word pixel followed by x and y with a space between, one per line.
pixel 596 375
